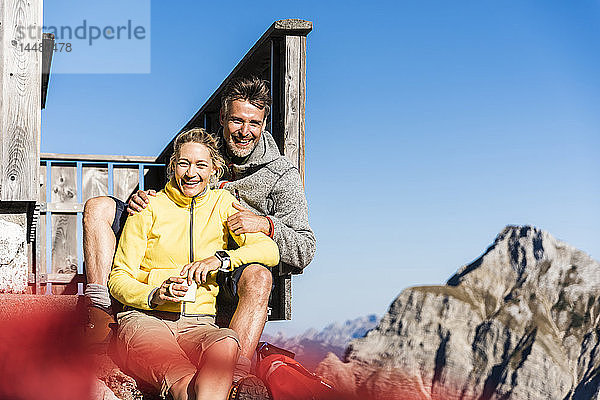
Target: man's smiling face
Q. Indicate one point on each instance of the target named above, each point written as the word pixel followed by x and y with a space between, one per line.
pixel 242 127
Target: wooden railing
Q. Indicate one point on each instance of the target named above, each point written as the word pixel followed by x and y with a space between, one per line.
pixel 67 182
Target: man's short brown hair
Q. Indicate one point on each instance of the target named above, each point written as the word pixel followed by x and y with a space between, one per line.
pixel 251 89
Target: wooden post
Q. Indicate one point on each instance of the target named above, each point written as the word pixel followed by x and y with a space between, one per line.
pixel 20 99
pixel 294 94
pixel 20 124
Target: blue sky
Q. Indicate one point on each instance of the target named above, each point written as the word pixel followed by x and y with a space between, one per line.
pixel 430 125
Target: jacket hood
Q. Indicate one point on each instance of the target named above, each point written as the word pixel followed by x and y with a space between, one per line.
pixel 174 194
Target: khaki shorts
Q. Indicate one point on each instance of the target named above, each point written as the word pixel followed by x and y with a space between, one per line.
pixel 162 347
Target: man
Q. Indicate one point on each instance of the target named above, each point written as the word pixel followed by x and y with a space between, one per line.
pixel 273 202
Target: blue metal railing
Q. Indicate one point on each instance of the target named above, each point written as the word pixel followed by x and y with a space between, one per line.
pixel 75 206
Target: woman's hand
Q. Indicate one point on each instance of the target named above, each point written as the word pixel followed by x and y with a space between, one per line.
pixel 170 290
pixel 198 270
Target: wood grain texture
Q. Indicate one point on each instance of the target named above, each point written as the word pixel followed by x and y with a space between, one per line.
pixel 291 107
pixel 64 278
pixel 287 297
pixel 64 208
pixel 125 180
pixel 94 181
pixel 63 181
pixel 293 24
pixel 20 72
pixel 302 109
pixel 64 243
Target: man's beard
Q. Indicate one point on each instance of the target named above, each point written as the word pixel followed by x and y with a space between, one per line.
pixel 236 151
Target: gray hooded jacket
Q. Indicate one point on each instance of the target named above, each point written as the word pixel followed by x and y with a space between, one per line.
pixel 270 185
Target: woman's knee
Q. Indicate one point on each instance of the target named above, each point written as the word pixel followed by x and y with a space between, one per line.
pixel 99 209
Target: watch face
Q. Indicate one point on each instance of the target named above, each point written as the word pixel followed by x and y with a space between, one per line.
pixel 222 255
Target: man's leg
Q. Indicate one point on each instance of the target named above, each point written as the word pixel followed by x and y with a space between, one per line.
pixel 98 250
pixel 214 377
pixel 253 290
pixel 99 241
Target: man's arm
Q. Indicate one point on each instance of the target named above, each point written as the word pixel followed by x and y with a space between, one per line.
pixel 291 230
pixel 287 226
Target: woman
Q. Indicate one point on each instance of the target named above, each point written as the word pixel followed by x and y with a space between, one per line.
pixel 178 241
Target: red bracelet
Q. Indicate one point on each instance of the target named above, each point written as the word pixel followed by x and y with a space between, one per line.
pixel 271 227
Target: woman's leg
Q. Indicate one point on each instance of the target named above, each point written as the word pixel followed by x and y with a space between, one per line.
pixel 183 389
pixel 149 349
pixel 215 374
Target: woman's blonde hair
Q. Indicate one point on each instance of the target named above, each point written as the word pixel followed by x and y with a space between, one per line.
pixel 197 135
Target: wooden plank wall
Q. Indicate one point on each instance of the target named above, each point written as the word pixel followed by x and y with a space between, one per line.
pixel 20 99
pixel 63 193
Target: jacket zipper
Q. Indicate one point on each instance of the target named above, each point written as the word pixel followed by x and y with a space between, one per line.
pixel 192 229
pixel 191 238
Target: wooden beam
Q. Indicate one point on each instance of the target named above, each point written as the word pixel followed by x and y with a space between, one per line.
pixel 291 100
pixel 61 208
pixel 99 158
pixel 302 110
pixel 65 278
pixel 47 52
pixel 20 99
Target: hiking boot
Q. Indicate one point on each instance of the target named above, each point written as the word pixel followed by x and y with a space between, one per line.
pixel 249 388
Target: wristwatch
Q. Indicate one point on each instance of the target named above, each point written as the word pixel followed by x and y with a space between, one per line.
pixel 225 260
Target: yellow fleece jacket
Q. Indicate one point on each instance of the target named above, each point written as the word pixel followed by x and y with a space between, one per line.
pixel 155 245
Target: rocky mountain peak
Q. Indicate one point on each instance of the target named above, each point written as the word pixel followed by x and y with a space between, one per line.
pixel 521 321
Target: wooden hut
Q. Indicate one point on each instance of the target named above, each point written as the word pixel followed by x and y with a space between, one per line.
pixel 57 185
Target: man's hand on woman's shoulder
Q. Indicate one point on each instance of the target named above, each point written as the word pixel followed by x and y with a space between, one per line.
pixel 139 200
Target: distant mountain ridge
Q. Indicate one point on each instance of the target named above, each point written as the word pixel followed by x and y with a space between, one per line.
pixel 520 322
pixel 312 346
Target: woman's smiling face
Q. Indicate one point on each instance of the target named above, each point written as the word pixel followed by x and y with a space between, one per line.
pixel 193 169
